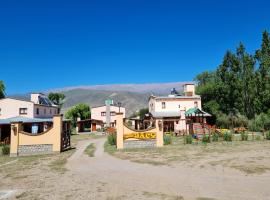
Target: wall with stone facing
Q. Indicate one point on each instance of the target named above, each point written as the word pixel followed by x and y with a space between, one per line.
pixel 24 150
pixel 139 143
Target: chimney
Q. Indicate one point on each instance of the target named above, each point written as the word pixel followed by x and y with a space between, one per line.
pixel 35 97
pixel 189 89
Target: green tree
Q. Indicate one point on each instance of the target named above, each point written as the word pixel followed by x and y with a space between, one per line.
pixel 263 75
pixel 2 89
pixel 80 110
pixel 141 113
pixel 57 98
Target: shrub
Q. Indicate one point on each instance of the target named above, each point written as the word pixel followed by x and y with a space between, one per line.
pixel 167 139
pixel 227 136
pixel 258 137
pixel 5 150
pixel 268 135
pixel 111 139
pixel 244 136
pixel 215 137
pixel 188 139
pixel 206 138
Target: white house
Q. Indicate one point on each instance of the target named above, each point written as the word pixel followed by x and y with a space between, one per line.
pixel 39 106
pixel 172 108
pixel 107 113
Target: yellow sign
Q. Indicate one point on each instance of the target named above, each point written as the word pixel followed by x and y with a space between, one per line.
pixel 141 135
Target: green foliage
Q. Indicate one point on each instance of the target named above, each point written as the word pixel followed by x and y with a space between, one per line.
pixel 227 137
pixel 215 137
pixel 239 89
pixel 188 139
pixel 167 139
pixel 57 98
pixel 267 135
pixel 244 136
pixel 141 113
pixel 6 150
pixel 2 89
pixel 206 138
pixel 260 122
pixel 80 110
pixel 111 138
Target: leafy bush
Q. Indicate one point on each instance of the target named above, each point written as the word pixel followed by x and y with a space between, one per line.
pixel 259 123
pixel 167 139
pixel 188 139
pixel 268 135
pixel 5 150
pixel 206 138
pixel 215 137
pixel 111 139
pixel 244 136
pixel 227 136
pixel 257 137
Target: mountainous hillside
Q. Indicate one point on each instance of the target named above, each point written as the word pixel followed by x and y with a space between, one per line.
pixel 132 96
pixel 130 100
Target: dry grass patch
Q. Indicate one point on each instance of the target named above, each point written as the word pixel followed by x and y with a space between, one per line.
pixel 249 157
pixel 79 137
pixel 90 150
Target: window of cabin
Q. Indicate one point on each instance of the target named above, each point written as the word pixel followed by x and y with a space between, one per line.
pixel 37 111
pixel 112 113
pixel 196 104
pixel 23 111
pixel 103 113
pixel 163 105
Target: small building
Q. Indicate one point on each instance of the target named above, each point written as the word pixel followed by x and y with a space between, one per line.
pixel 39 106
pixel 107 113
pixel 172 108
pixel 36 114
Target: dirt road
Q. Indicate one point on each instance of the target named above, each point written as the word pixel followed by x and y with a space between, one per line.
pixel 106 177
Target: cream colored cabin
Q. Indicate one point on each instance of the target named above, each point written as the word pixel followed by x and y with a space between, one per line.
pixel 172 108
pixel 38 107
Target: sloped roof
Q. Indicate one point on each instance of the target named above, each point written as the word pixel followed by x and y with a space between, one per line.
pixel 196 111
pixel 166 114
pixel 24 120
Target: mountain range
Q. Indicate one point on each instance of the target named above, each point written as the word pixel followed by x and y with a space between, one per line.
pixel 132 96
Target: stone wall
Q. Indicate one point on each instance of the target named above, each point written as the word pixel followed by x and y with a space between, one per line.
pixel 139 143
pixel 35 149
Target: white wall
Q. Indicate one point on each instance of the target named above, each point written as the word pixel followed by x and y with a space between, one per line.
pixel 96 112
pixel 45 111
pixel 173 104
pixel 10 108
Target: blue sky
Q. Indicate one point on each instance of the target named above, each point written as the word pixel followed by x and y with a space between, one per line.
pixel 52 44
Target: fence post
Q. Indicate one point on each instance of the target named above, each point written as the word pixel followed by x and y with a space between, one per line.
pixel 14 138
pixel 119 131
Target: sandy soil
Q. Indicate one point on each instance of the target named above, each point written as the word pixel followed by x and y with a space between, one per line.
pixel 106 177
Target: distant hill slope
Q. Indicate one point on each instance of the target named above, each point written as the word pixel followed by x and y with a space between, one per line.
pixel 132 96
pixel 130 100
pixel 139 88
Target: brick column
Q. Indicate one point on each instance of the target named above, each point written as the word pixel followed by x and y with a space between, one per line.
pixel 120 131
pixel 159 128
pixel 57 126
pixel 14 138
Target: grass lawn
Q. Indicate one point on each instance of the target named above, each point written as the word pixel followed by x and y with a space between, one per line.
pixel 247 156
pixel 90 150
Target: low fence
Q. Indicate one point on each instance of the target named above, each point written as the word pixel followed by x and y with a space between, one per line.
pixel 131 138
pixel 24 143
